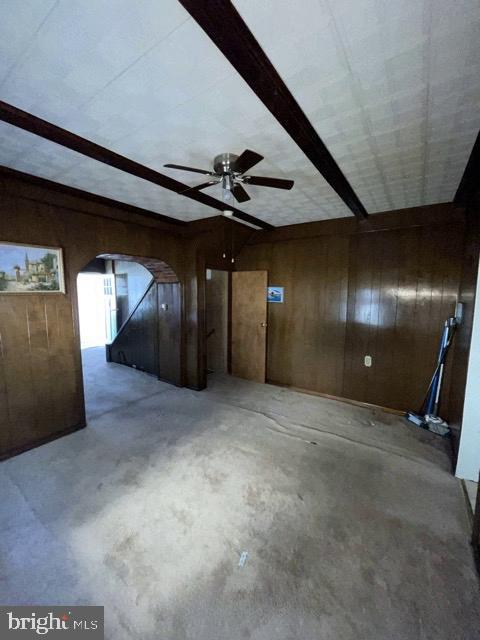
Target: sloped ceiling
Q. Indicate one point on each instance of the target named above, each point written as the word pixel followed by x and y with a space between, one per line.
pixel 392 89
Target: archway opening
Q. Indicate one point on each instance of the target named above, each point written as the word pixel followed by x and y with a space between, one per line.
pixel 129 310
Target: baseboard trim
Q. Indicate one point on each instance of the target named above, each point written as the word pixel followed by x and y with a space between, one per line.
pixel 16 451
pixel 357 403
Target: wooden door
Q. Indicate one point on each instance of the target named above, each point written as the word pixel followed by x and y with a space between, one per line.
pixel 249 324
pixel 169 333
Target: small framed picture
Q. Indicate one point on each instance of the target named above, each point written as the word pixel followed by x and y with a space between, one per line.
pixel 275 294
pixel 26 268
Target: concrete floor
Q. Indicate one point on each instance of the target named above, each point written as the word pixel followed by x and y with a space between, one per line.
pixel 354 527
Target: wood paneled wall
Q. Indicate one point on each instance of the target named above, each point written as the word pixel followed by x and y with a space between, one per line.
pixel 41 390
pixel 217 314
pixel 169 332
pixel 306 334
pixel 402 286
pixel 384 285
pixel 351 292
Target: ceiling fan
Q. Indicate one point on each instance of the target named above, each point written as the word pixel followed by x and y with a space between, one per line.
pixel 229 170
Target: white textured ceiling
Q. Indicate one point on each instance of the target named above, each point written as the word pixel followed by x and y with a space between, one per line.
pixel 392 89
pixel 391 86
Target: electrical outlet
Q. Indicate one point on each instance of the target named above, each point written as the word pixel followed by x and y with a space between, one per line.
pixel 368 361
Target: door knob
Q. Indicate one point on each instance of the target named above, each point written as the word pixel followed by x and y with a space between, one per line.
pixel 263 324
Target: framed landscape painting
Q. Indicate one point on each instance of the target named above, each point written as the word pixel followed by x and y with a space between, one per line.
pixel 30 269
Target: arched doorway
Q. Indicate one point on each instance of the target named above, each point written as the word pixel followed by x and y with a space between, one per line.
pixel 149 337
pixel 135 302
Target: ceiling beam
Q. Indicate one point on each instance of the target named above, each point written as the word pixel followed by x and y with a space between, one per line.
pixel 468 192
pixel 87 195
pixel 27 121
pixel 227 29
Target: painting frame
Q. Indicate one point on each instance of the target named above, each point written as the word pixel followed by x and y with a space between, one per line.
pixel 41 272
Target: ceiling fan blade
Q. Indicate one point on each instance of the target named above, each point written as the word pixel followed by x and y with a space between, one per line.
pixel 246 161
pixel 239 193
pixel 179 166
pixel 263 181
pixel 201 186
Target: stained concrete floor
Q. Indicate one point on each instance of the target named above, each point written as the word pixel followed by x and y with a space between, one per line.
pixel 354 526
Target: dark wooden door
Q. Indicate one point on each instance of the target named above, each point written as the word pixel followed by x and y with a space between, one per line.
pixel 169 332
pixel 249 324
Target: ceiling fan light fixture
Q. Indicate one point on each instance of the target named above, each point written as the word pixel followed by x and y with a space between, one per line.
pixel 227 186
pixel 227 195
pixel 229 170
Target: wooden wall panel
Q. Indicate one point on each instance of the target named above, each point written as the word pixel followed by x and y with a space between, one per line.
pixel 310 340
pixel 402 286
pixel 383 293
pixel 38 373
pixel 306 333
pixel 217 314
pixel 41 387
pixel 169 331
